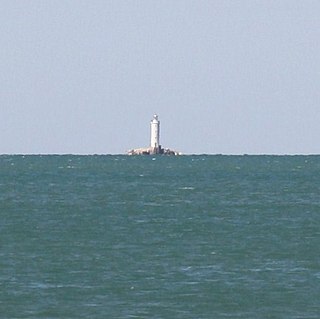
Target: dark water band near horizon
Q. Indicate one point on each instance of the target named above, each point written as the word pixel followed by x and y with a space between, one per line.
pixel 159 237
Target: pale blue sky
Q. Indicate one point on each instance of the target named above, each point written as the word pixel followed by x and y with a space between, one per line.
pixel 228 77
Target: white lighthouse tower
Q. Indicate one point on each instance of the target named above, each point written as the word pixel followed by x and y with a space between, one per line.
pixel 155 147
pixel 155 135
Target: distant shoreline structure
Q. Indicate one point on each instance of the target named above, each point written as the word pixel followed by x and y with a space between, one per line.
pixel 155 147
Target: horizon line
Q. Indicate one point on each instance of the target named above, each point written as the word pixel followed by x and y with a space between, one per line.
pixel 183 154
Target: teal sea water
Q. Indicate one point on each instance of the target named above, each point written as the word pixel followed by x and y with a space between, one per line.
pixel 160 237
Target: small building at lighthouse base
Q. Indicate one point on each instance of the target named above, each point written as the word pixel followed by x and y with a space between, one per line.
pixel 152 151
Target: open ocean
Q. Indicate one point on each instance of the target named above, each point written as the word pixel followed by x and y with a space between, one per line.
pixel 159 237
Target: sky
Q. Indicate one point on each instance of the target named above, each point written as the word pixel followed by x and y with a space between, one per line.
pixel 224 76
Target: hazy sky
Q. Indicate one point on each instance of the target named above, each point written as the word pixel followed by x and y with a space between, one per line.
pixel 228 77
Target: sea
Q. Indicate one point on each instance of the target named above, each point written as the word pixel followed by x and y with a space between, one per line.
pixel 201 237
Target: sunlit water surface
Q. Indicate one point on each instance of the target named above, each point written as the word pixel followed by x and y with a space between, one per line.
pixel 160 237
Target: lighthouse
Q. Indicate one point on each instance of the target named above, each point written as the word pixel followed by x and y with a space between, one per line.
pixel 155 147
pixel 155 135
